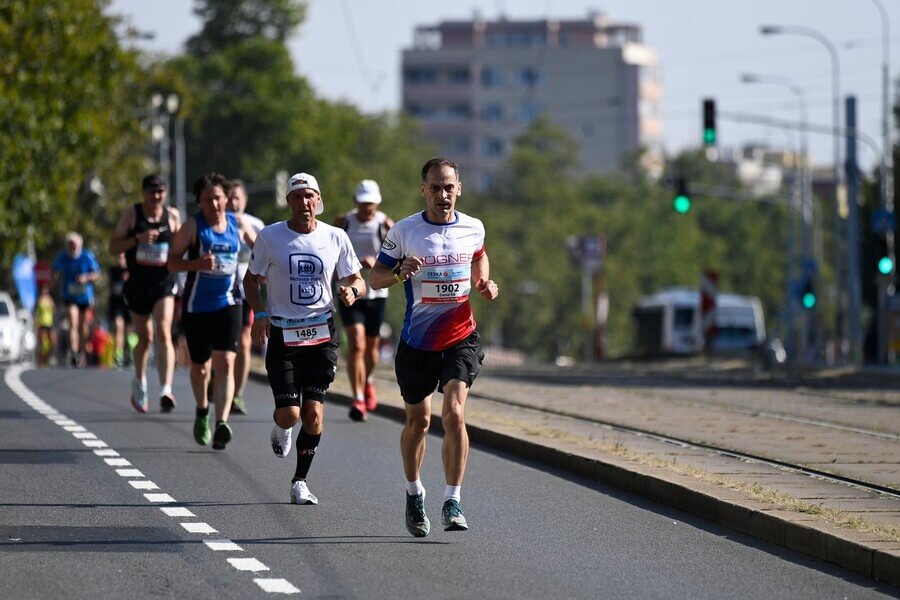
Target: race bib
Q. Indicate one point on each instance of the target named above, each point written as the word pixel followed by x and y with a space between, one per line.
pixel 76 289
pixel 446 285
pixel 311 331
pixel 152 255
pixel 226 261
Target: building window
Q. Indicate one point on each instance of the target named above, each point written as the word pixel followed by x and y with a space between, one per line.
pixel 529 77
pixel 505 39
pixel 457 145
pixel 460 110
pixel 527 112
pixel 421 111
pixel 492 111
pixel 458 75
pixel 419 75
pixel 491 77
pixel 492 147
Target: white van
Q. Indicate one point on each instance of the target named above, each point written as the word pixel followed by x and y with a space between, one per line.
pixel 668 322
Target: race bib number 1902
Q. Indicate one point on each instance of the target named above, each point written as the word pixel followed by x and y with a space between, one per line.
pixel 446 285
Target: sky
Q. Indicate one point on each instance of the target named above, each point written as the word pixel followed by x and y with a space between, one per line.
pixel 351 50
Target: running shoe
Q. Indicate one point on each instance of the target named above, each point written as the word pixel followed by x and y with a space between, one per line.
pixel 300 494
pixel 167 403
pixel 417 523
pixel 238 407
pixel 201 429
pixel 371 398
pixel 453 517
pixel 222 435
pixel 281 441
pixel 138 396
pixel 358 411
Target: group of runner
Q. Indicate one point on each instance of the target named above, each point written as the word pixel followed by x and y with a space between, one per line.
pixel 272 286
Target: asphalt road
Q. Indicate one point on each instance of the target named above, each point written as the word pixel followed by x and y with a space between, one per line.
pixel 72 526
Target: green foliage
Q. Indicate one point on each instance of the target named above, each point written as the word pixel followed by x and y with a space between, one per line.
pixel 67 94
pixel 229 23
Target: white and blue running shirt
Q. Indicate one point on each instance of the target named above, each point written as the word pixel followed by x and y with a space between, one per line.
pixel 438 313
pixel 299 267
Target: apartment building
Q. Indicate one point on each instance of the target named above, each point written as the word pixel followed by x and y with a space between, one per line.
pixel 475 85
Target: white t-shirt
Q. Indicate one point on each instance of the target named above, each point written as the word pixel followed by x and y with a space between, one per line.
pixel 299 267
pixel 243 259
pixel 438 313
pixel 366 239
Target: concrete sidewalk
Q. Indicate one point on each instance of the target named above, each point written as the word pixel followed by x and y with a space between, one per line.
pixel 557 425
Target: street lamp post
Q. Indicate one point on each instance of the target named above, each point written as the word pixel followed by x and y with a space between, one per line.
pixel 887 179
pixel 840 288
pixel 805 184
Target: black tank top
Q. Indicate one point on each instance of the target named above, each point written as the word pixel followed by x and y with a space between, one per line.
pixel 147 262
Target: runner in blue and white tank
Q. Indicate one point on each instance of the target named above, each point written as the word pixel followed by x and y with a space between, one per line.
pixel 237 204
pixel 211 310
pixel 297 260
pixel 436 255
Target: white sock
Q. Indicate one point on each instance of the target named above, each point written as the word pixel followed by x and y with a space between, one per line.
pixel 414 488
pixel 166 390
pixel 142 382
pixel 370 379
pixel 360 397
pixel 451 492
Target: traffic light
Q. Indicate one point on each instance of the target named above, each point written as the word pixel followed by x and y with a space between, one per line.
pixel 682 201
pixel 709 122
pixel 808 296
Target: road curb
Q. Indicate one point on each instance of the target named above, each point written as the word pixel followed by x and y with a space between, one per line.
pixel 816 539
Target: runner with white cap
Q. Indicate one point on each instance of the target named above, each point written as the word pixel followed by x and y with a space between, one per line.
pixel 297 260
pixel 367 227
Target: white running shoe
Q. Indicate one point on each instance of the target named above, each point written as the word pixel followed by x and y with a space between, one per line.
pixel 300 494
pixel 281 441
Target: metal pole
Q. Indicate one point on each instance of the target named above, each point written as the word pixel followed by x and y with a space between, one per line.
pixel 180 175
pixel 854 291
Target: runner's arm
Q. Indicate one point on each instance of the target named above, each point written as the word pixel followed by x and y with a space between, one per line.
pixel 181 241
pixel 120 241
pixel 259 331
pixel 481 271
pixel 351 282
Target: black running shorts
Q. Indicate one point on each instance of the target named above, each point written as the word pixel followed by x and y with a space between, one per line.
pixel 208 331
pixel 368 312
pixel 420 371
pixel 141 297
pixel 299 373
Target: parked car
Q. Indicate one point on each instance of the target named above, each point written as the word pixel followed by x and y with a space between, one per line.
pixel 12 332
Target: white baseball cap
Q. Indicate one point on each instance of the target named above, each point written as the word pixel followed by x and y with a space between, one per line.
pixel 305 181
pixel 368 192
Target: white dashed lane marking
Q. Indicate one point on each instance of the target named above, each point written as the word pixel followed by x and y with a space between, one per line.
pixel 112 458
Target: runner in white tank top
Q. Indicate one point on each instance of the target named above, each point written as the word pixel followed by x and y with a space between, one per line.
pixel 367 227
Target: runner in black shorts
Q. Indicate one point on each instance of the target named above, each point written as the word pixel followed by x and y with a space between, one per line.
pixel 436 255
pixel 366 226
pixel 144 233
pixel 298 259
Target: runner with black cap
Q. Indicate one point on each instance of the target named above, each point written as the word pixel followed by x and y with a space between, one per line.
pixel 144 233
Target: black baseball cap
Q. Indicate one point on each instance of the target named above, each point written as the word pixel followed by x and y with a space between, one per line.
pixel 152 182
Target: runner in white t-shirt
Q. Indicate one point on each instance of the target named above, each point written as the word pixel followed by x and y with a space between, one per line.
pixel 436 255
pixel 297 259
pixel 237 203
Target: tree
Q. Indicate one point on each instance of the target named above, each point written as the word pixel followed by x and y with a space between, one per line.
pixel 228 23
pixel 68 136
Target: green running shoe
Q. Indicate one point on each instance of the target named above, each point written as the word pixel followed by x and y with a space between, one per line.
pixel 238 407
pixel 453 517
pixel 201 429
pixel 417 523
pixel 222 435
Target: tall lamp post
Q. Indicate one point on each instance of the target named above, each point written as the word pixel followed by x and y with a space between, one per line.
pixel 804 177
pixel 840 288
pixel 887 179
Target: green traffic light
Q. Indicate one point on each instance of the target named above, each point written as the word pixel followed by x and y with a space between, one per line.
pixel 709 136
pixel 885 265
pixel 681 204
pixel 808 300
